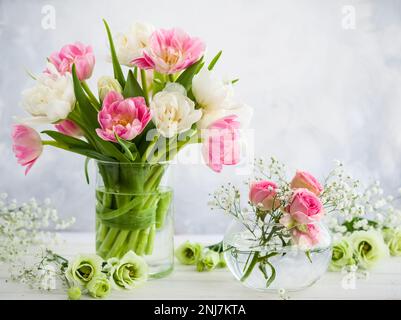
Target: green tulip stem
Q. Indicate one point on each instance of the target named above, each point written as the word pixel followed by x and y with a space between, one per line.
pixel 144 86
pixel 151 240
pixel 91 96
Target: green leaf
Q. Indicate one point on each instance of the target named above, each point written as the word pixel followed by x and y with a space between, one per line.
pixel 214 60
pixel 88 113
pixel 272 276
pixel 132 87
pixel 91 154
pixel 159 82
pixel 87 159
pixel 118 72
pixel 67 140
pixel 126 145
pixel 307 253
pixel 185 78
pixel 234 81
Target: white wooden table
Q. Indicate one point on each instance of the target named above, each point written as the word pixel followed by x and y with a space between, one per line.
pixel 185 283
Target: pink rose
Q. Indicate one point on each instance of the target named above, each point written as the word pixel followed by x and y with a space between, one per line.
pixel 170 51
pixel 79 54
pixel 221 145
pixel 124 117
pixel 306 236
pixel 27 145
pixel 69 128
pixel 305 207
pixel 264 193
pixel 303 179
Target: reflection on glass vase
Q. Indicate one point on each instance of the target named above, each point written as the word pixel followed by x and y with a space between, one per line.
pixel 273 266
pixel 134 212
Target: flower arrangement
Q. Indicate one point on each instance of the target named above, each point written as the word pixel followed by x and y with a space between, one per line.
pixel 364 223
pixel 169 98
pixel 280 214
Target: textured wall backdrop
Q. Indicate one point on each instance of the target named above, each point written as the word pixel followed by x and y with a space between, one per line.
pixel 320 90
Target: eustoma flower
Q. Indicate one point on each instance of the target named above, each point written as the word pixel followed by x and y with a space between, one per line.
pixel 170 51
pixel 79 54
pixel 131 272
pixel 125 118
pixel 69 128
pixel 369 247
pixel 221 143
pixel 172 111
pixel 188 253
pixel 130 45
pixel 51 99
pixel 216 99
pixel 208 262
pixel 303 179
pixel 342 255
pixel 83 268
pixel 263 194
pixel 392 238
pixel 99 286
pixel 304 208
pixel 27 145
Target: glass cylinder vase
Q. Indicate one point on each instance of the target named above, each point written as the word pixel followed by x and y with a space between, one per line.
pixel 274 266
pixel 134 211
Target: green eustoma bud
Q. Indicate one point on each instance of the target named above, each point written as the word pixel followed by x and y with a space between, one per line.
pixel 74 293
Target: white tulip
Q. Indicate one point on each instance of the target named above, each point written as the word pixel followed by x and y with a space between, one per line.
pixel 130 45
pixel 172 111
pixel 210 92
pixel 51 99
pixel 217 99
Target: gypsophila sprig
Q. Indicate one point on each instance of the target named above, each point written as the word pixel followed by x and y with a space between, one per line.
pixel 27 224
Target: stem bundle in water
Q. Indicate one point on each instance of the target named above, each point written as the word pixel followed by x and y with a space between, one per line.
pixel 130 209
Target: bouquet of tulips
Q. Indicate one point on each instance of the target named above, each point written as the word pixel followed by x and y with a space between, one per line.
pixel 161 97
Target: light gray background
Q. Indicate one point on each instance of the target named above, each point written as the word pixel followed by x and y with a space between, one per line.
pixel 320 92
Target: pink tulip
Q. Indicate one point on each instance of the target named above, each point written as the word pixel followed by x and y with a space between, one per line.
pixel 221 145
pixel 306 235
pixel 170 51
pixel 27 145
pixel 303 179
pixel 124 117
pixel 69 128
pixel 79 54
pixel 263 193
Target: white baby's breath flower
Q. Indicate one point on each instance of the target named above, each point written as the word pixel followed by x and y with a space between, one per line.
pixel 130 45
pixel 172 111
pixel 51 99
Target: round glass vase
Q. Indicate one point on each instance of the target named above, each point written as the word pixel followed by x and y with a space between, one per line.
pixel 134 211
pixel 274 267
